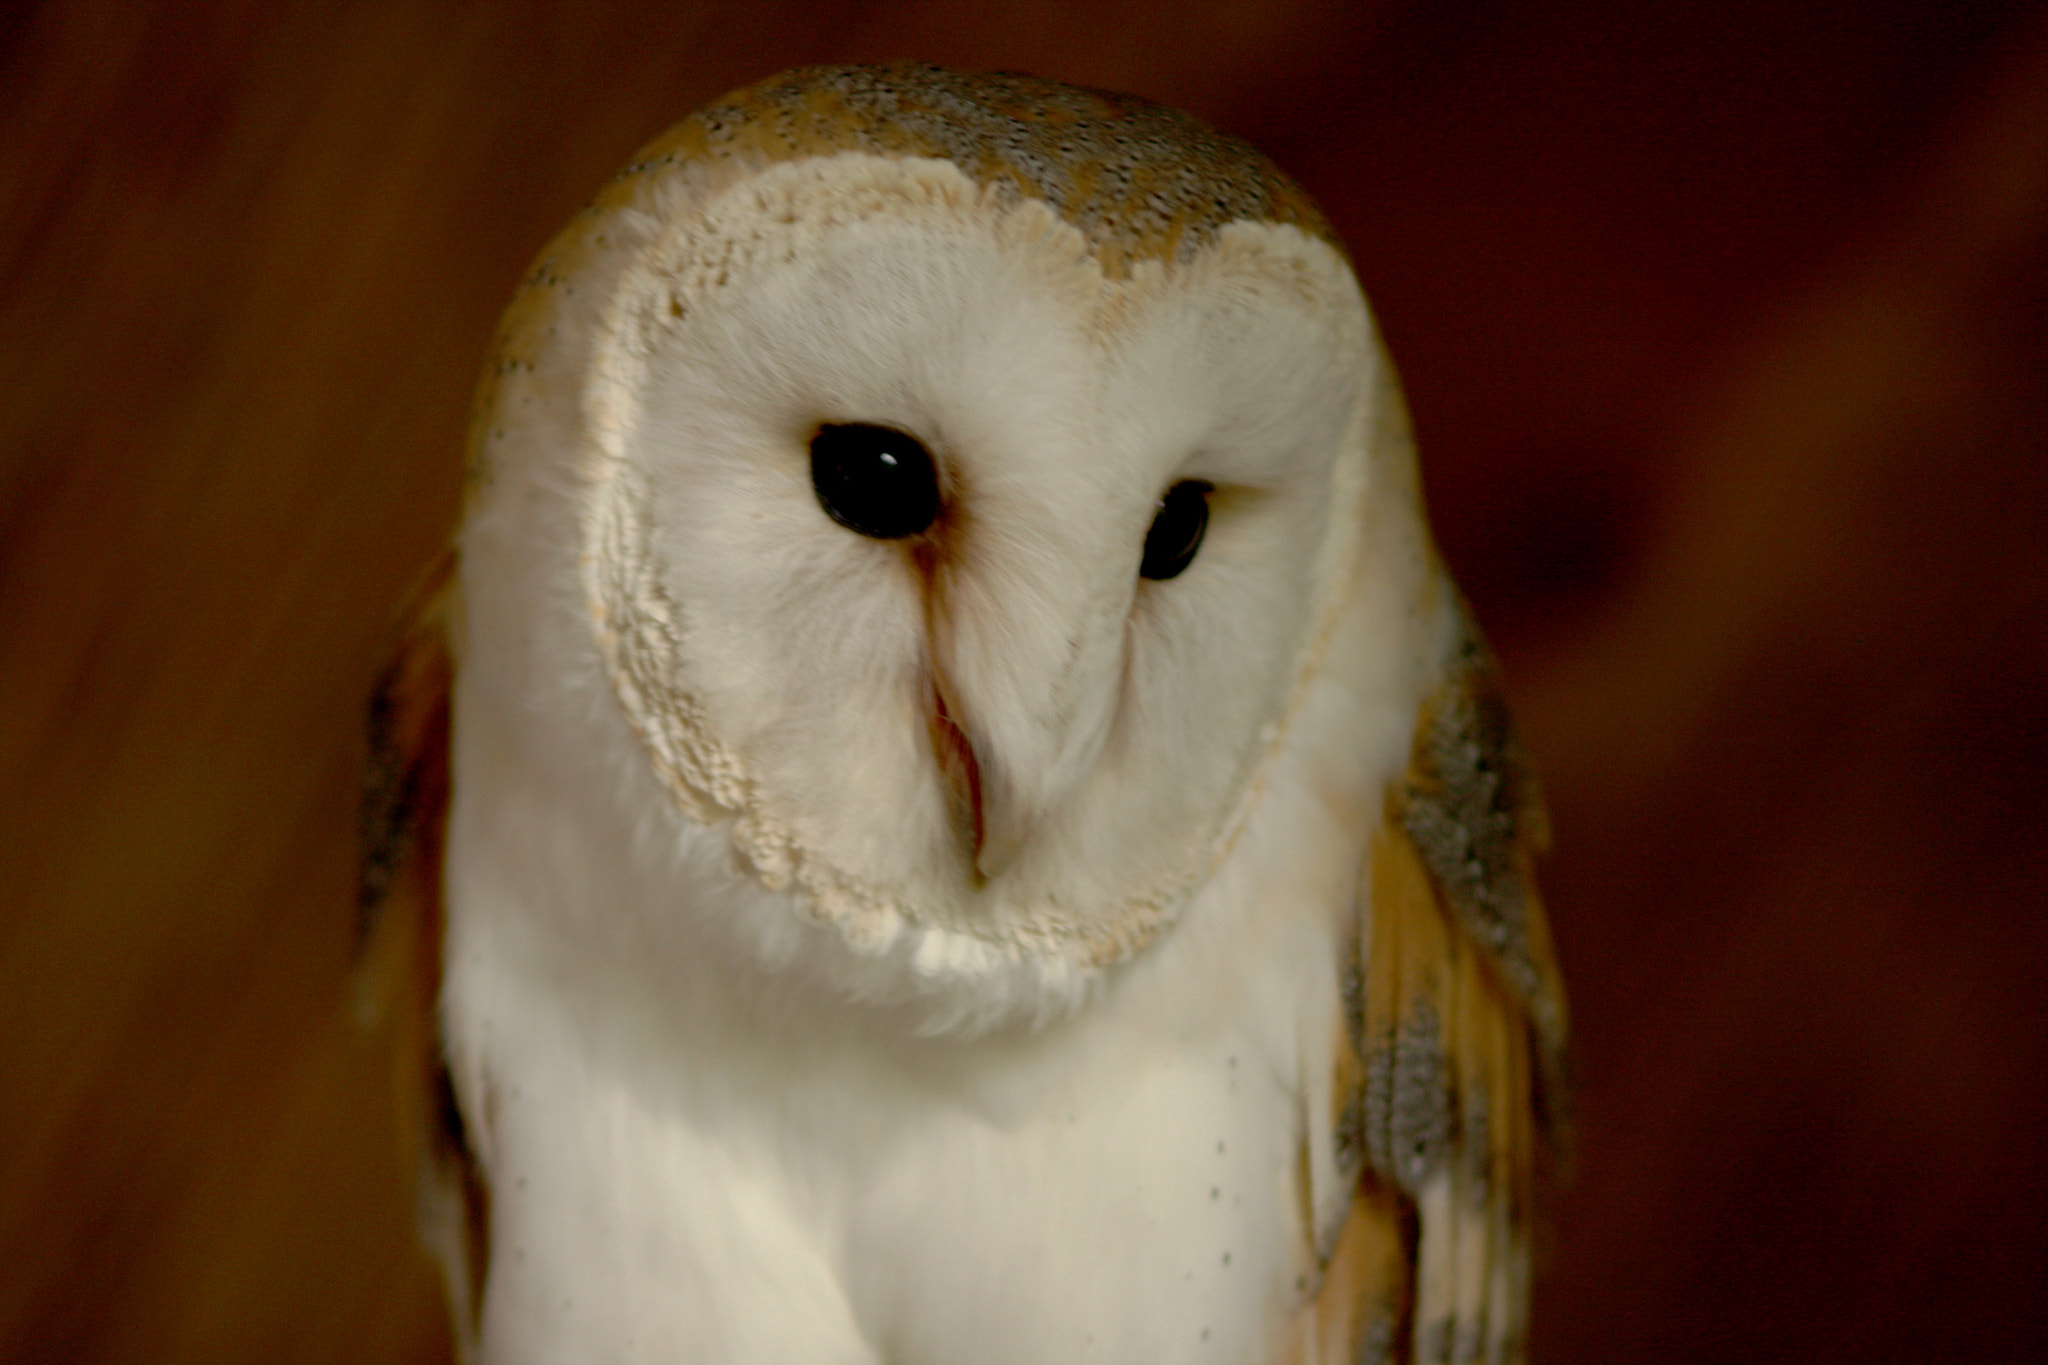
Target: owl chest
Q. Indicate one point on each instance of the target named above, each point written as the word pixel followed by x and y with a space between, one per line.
pixel 737 1201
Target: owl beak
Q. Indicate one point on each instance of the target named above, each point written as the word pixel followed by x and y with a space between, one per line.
pixel 1001 839
pixel 960 765
pixel 1003 780
pixel 1012 800
pixel 1001 816
pixel 988 819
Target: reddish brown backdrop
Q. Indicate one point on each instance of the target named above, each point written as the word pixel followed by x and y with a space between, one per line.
pixel 1726 326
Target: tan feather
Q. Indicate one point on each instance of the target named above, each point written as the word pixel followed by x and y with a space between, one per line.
pixel 1455 1030
pixel 401 918
pixel 1361 1310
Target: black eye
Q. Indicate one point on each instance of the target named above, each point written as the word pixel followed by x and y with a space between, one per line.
pixel 1176 530
pixel 875 480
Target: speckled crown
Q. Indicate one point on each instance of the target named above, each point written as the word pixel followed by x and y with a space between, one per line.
pixel 1140 180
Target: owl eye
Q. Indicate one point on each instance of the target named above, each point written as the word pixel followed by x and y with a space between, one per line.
pixel 1177 530
pixel 875 480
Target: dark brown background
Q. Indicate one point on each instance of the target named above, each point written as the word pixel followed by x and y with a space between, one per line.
pixel 1726 326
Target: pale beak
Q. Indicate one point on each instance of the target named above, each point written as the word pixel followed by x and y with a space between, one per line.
pixel 1012 735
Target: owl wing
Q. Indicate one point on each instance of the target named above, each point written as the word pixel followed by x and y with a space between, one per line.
pixel 1449 1061
pixel 400 918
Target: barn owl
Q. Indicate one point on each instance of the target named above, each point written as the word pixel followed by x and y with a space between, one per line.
pixel 949 807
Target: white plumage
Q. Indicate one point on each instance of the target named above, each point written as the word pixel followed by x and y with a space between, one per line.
pixel 958 945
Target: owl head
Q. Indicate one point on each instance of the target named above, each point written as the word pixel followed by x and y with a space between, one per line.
pixel 911 503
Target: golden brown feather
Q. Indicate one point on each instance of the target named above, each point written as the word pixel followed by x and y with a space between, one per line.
pixel 1450 1069
pixel 401 917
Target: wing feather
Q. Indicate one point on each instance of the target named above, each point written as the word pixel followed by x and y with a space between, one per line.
pixel 1455 1026
pixel 400 919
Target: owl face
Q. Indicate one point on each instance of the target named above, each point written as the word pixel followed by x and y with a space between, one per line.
pixel 961 583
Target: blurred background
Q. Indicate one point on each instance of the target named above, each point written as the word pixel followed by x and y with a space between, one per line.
pixel 1726 328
